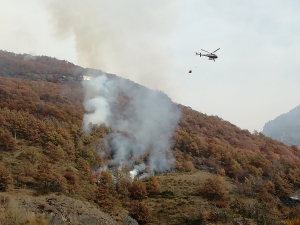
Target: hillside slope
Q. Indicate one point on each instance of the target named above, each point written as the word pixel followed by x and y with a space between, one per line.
pixel 219 173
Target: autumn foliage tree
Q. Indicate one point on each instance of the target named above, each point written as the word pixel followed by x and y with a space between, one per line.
pixel 153 186
pixel 104 198
pixel 44 176
pixel 73 182
pixel 48 179
pixel 123 189
pixel 138 190
pixel 105 190
pixel 6 179
pixel 7 143
pixel 140 212
pixel 212 189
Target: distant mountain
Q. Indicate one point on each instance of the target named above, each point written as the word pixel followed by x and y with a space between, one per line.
pixel 285 128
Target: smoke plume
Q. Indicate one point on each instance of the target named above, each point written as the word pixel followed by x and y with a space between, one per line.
pixel 148 119
pixel 129 38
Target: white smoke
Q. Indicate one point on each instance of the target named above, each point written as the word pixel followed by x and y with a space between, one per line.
pixel 146 120
pixel 29 57
pixel 132 39
pixel 98 94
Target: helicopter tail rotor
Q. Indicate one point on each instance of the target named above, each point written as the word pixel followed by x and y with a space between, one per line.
pixel 198 53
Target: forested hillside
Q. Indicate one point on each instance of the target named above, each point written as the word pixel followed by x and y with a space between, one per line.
pixel 236 176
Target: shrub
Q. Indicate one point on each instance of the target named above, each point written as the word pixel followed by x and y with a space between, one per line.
pixel 12 214
pixel 220 204
pixel 4 200
pixel 189 166
pixel 168 194
pixel 221 171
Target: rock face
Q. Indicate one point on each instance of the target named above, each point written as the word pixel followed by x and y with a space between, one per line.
pixel 59 210
pixel 285 128
pixel 127 220
pixel 64 210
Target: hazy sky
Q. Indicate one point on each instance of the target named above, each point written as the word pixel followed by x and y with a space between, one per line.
pixel 255 79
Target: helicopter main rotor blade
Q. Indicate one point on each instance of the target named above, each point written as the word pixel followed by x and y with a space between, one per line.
pixel 216 50
pixel 205 51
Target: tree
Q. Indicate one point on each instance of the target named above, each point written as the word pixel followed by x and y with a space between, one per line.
pixel 121 174
pixel 30 154
pixel 24 173
pixel 7 143
pixel 104 198
pixel 212 188
pixel 138 190
pixel 105 191
pixel 153 186
pixel 283 186
pixel 140 212
pixel 56 153
pixel 6 179
pixel 124 187
pixel 45 176
pixel 84 166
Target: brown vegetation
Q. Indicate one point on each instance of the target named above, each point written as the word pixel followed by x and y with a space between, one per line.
pixel 212 188
pixel 43 148
pixel 140 212
pixel 5 178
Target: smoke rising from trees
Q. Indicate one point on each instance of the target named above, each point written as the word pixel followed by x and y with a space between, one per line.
pixel 143 124
pixel 130 39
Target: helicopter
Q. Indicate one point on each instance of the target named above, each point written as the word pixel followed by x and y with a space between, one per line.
pixel 210 55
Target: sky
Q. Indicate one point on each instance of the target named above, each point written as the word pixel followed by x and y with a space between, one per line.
pixel 255 78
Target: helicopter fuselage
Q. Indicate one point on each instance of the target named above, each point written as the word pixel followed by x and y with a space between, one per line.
pixel 210 56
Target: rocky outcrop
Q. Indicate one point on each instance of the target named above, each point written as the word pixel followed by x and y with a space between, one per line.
pixel 60 209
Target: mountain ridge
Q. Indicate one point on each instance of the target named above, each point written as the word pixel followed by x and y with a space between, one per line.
pixel 285 128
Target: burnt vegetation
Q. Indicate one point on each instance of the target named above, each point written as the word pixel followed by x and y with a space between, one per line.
pixel 43 148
